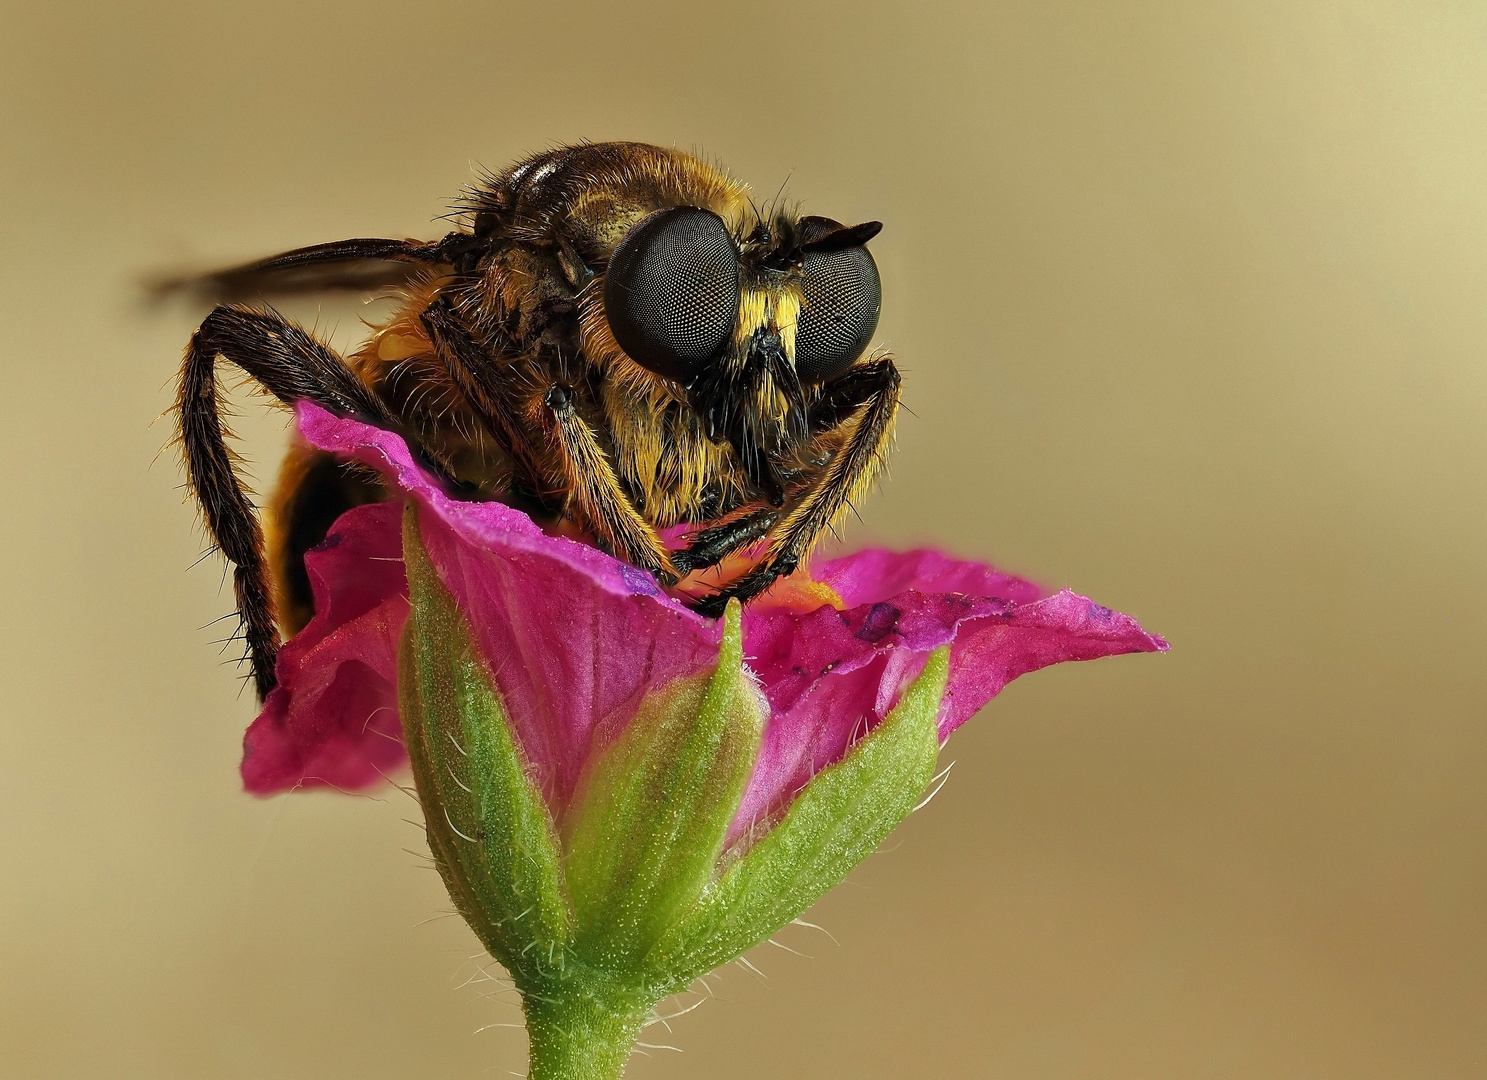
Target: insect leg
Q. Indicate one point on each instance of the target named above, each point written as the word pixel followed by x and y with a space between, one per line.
pixel 595 490
pixel 469 367
pixel 870 393
pixel 847 394
pixel 588 477
pixel 292 365
pixel 712 546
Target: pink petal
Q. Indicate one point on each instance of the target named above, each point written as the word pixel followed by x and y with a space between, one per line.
pixel 571 658
pixel 831 675
pixel 866 577
pixel 333 719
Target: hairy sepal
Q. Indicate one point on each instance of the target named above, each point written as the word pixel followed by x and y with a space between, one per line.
pixel 654 808
pixel 640 898
pixel 488 826
pixel 835 822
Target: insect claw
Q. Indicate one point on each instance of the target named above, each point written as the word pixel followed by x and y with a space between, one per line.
pixel 713 605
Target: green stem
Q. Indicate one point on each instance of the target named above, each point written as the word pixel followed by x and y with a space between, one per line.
pixel 582 1032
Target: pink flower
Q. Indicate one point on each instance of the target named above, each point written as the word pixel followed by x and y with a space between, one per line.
pixel 619 794
pixel 575 639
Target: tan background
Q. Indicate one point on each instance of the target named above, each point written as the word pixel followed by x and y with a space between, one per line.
pixel 1191 303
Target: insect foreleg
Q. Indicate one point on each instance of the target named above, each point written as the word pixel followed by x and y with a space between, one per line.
pixel 595 492
pixel 841 399
pixel 470 367
pixel 588 478
pixel 291 365
pixel 712 546
pixel 869 393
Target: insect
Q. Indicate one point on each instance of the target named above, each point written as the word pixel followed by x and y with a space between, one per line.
pixel 613 337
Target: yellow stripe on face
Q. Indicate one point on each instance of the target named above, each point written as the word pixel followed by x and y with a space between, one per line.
pixel 775 308
pixel 786 316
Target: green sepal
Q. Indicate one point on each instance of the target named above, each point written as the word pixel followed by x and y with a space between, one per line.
pixel 834 823
pixel 488 826
pixel 645 835
pixel 645 900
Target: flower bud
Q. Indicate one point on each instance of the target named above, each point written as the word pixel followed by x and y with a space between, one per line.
pixel 636 896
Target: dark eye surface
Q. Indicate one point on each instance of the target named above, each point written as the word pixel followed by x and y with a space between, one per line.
pixel 672 289
pixel 839 303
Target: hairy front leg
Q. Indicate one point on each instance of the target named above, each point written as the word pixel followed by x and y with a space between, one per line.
pixel 595 492
pixel 589 483
pixel 290 364
pixel 711 546
pixel 866 397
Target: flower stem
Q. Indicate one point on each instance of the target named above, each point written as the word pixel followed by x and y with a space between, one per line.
pixel 582 1032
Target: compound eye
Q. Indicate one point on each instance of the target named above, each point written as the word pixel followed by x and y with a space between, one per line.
pixel 672 289
pixel 840 297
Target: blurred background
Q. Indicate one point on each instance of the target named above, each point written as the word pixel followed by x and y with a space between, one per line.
pixel 1190 303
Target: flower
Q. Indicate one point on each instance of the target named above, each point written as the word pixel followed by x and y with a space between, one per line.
pixel 575 637
pixel 620 793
